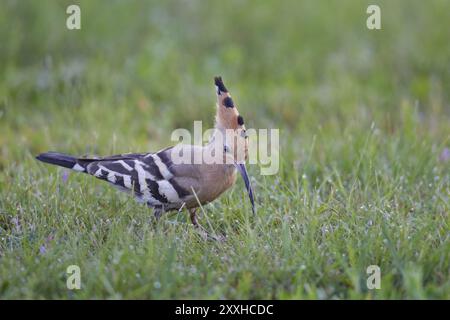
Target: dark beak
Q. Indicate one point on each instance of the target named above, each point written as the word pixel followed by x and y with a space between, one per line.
pixel 243 171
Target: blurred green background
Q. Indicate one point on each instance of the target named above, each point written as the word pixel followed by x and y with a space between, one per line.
pixel 294 65
pixel 366 110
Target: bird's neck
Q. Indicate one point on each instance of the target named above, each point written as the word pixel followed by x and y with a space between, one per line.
pixel 216 145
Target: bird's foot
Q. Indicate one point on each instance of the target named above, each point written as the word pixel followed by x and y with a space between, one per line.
pixel 202 231
pixel 205 235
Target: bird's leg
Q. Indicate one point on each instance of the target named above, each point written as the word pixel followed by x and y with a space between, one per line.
pixel 192 213
pixel 202 231
pixel 193 216
pixel 157 213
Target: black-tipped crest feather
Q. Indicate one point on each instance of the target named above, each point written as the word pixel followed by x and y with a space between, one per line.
pixel 219 84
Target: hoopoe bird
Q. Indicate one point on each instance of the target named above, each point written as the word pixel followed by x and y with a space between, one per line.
pixel 174 178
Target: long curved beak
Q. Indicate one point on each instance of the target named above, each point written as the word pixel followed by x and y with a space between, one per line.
pixel 243 171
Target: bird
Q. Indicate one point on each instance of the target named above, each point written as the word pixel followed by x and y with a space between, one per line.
pixel 181 176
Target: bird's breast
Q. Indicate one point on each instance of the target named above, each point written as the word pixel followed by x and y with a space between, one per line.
pixel 216 181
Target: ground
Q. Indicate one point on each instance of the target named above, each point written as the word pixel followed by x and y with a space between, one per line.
pixel 364 173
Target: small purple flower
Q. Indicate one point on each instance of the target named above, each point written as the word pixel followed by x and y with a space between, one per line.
pixel 65 176
pixel 42 250
pixel 16 223
pixel 445 155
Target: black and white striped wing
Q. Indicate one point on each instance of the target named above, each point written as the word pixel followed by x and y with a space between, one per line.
pixel 147 175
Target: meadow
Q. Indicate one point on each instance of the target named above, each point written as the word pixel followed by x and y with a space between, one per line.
pixel 364 120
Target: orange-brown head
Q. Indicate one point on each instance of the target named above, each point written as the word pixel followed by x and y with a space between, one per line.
pixel 230 124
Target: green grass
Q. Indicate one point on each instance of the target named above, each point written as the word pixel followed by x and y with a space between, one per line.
pixel 363 116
